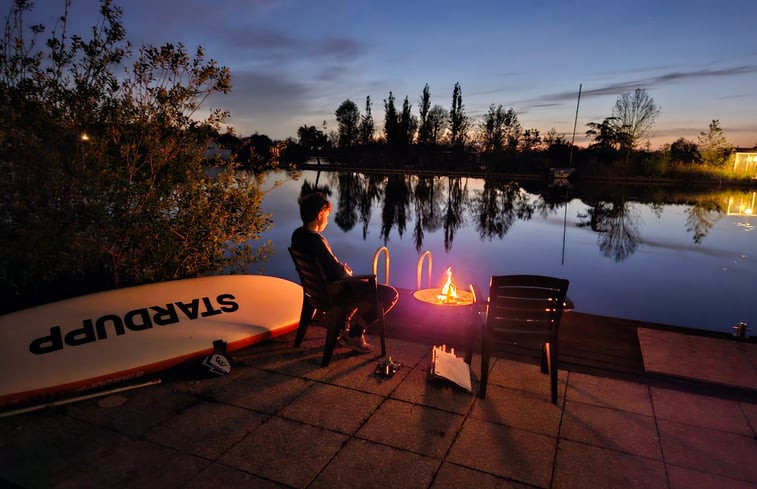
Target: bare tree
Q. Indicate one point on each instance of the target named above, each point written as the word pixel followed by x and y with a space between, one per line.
pixel 634 115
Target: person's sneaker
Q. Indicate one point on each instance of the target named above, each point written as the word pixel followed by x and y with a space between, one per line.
pixel 357 343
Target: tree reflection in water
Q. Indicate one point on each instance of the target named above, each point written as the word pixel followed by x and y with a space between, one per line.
pixel 453 213
pixel 427 201
pixel 349 192
pixel 435 202
pixel 396 202
pixel 499 204
pixel 701 217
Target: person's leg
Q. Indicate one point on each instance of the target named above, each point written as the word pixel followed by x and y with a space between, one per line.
pixel 369 314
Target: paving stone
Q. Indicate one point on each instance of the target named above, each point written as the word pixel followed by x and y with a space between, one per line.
pixel 453 476
pixel 208 429
pixel 610 428
pixel 218 476
pixel 363 464
pixel 507 452
pixel 46 447
pixel 135 463
pixel 133 412
pixel 716 452
pixel 580 466
pixel 519 409
pixel 750 411
pixel 609 392
pixel 333 407
pixel 682 478
pixel 525 376
pixel 412 427
pixel 285 451
pixel 420 388
pixel 262 391
pixel 696 357
pixel 358 372
pixel 409 354
pixel 279 420
pixel 705 411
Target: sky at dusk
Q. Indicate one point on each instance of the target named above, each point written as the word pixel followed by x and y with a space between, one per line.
pixel 294 62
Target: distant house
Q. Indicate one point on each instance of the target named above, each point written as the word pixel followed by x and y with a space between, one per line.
pixel 213 151
pixel 746 160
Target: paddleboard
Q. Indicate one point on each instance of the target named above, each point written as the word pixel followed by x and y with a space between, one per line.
pixel 114 336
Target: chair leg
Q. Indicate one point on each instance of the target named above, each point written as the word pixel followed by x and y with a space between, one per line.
pixel 381 332
pixel 474 326
pixel 306 316
pixel 550 355
pixel 484 367
pixel 332 333
pixel 544 360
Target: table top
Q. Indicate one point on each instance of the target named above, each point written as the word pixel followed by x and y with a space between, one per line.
pixel 431 296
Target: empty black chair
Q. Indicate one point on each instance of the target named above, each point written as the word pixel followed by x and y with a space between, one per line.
pixel 524 309
pixel 321 299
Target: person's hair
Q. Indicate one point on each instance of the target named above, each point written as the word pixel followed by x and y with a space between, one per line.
pixel 312 204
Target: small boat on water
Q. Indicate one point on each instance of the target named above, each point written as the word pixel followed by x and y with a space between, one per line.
pixel 560 173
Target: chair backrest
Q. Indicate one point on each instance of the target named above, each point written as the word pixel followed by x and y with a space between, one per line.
pixel 525 306
pixel 312 279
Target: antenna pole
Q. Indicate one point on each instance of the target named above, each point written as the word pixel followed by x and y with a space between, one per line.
pixel 575 121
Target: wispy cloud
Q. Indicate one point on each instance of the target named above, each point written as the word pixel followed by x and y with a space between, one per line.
pixel 650 82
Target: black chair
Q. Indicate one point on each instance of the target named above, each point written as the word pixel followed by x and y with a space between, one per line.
pixel 323 300
pixel 524 310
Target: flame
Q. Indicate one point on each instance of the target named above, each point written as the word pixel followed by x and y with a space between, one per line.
pixel 449 291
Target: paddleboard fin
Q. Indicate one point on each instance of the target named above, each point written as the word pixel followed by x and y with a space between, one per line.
pixel 218 363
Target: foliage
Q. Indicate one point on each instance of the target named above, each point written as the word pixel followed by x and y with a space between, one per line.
pixel 312 139
pixel 424 106
pixel 713 145
pixel 348 118
pixel 366 124
pixel 104 179
pixel 606 135
pixel 408 123
pixel 459 121
pixel 391 122
pixel 685 151
pixel 492 130
pixel 438 120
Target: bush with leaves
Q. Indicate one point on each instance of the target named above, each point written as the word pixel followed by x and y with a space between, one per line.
pixel 104 181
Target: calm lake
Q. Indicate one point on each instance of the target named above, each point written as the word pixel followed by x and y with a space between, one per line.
pixel 661 254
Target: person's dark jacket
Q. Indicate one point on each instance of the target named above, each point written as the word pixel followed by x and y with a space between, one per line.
pixel 314 244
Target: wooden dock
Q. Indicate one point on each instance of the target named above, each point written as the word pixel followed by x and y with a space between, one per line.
pixel 598 345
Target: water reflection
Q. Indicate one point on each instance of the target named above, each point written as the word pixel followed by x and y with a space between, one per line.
pixel 660 254
pixel 496 204
pixel 617 228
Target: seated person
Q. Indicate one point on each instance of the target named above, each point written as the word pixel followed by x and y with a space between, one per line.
pixel 315 209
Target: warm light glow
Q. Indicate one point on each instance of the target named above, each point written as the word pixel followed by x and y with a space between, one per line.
pixel 84 136
pixel 449 291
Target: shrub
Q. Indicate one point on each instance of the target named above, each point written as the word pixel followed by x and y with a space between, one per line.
pixel 104 180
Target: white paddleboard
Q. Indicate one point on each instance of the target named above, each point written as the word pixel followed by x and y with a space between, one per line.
pixel 98 339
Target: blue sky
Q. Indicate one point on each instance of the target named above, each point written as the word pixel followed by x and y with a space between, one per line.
pixel 293 62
